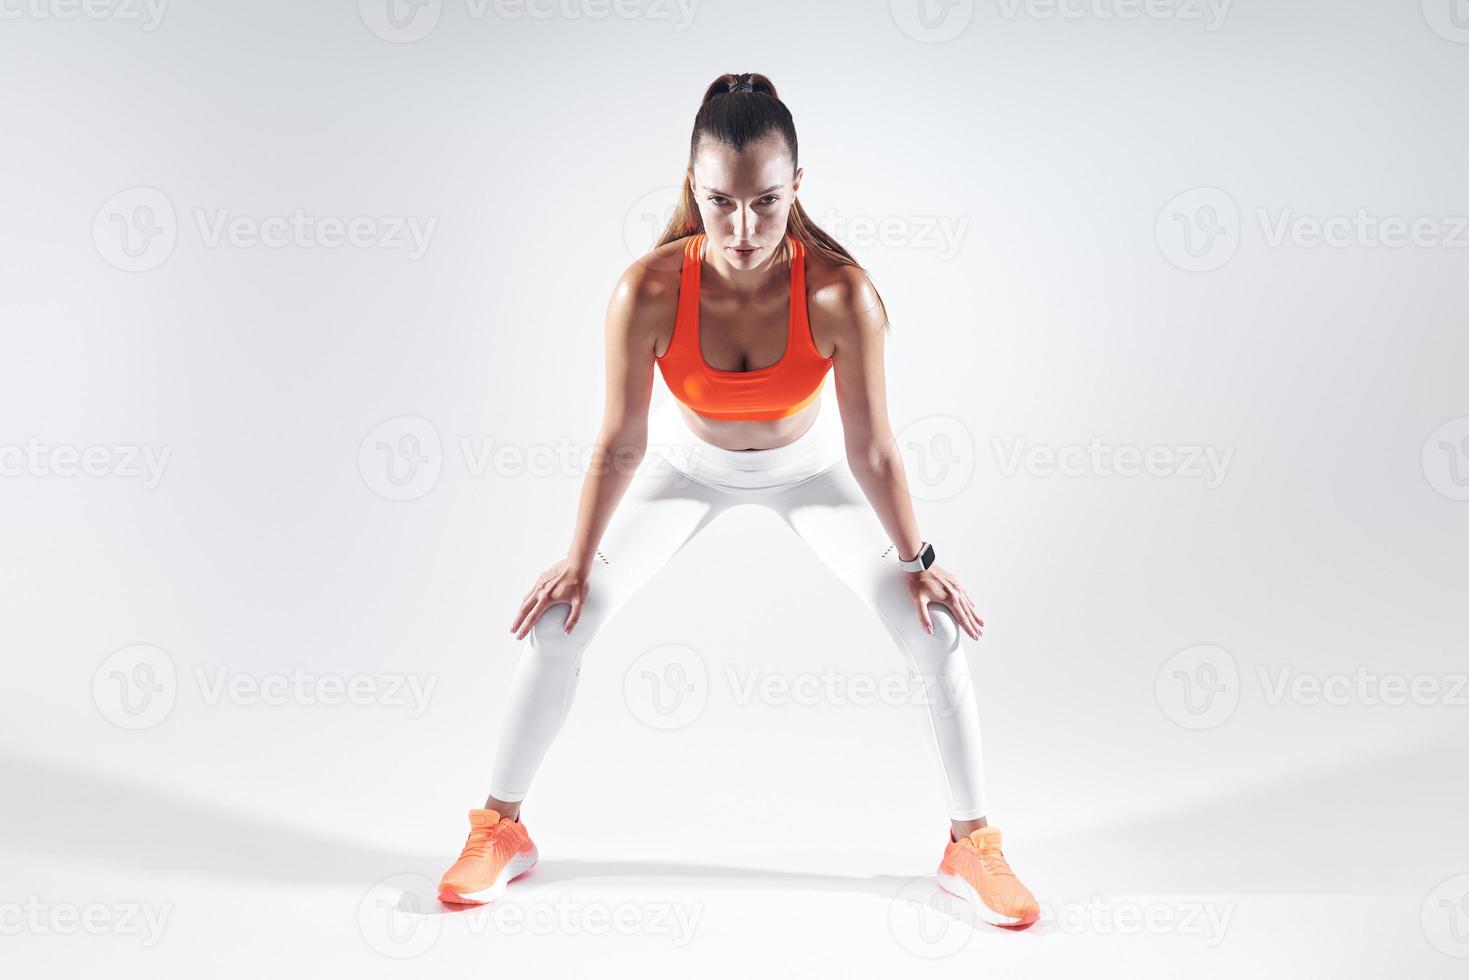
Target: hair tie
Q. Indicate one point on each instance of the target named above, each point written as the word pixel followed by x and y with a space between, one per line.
pixel 743 87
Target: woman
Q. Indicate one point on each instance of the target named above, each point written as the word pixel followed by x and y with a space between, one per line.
pixel 745 305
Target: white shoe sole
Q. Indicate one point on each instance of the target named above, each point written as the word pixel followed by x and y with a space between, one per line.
pixel 955 885
pixel 513 869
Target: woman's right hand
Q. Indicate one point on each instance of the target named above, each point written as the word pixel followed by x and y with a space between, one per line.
pixel 562 582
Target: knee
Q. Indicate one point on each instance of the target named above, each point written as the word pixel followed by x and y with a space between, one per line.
pixel 548 638
pixel 945 627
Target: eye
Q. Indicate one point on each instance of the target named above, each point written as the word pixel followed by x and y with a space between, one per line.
pixel 769 199
pixel 716 200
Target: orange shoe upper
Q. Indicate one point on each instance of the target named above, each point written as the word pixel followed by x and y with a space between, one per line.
pixel 977 859
pixel 493 841
pixel 773 392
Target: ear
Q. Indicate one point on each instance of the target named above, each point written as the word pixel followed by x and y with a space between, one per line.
pixel 796 183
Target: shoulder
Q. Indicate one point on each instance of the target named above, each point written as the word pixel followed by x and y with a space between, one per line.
pixel 844 304
pixel 646 293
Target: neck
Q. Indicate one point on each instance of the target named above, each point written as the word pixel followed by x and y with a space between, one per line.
pixel 774 272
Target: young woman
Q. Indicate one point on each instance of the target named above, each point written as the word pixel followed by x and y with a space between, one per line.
pixel 745 305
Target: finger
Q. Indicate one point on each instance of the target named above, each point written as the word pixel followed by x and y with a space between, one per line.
pixel 923 616
pixel 525 606
pixel 966 616
pixel 973 616
pixel 530 620
pixel 961 616
pixel 573 616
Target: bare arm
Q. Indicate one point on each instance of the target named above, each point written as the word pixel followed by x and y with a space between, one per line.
pixel 638 305
pixel 849 310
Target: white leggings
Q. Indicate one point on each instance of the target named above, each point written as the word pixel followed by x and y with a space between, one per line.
pixel 682 485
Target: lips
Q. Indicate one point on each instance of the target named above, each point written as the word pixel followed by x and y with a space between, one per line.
pixel 742 252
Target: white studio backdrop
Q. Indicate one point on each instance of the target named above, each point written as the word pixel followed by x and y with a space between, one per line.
pixel 301 336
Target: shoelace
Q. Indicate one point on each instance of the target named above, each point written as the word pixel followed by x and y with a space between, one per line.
pixel 482 839
pixel 993 861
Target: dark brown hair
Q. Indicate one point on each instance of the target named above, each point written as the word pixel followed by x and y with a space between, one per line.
pixel 737 119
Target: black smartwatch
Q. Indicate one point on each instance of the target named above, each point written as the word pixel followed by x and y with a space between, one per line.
pixel 919 562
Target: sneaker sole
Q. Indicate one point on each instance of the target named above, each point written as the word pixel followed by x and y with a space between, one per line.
pixel 955 885
pixel 513 869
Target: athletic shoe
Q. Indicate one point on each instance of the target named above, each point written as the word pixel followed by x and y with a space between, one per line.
pixel 974 868
pixel 498 850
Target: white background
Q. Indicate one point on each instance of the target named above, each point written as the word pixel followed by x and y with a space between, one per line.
pixel 1053 145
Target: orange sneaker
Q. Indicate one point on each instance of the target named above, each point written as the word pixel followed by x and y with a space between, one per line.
pixel 497 851
pixel 974 868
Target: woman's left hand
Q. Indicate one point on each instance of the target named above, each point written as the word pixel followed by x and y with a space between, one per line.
pixel 935 584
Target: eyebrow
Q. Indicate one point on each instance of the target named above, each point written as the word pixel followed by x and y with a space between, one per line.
pixel 772 187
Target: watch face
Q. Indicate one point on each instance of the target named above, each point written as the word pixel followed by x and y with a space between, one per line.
pixel 927 556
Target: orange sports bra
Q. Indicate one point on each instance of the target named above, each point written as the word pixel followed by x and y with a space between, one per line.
pixel 783 388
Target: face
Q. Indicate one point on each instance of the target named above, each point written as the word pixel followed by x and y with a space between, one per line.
pixel 744 198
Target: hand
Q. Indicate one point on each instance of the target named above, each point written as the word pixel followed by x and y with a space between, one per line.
pixel 562 582
pixel 935 584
